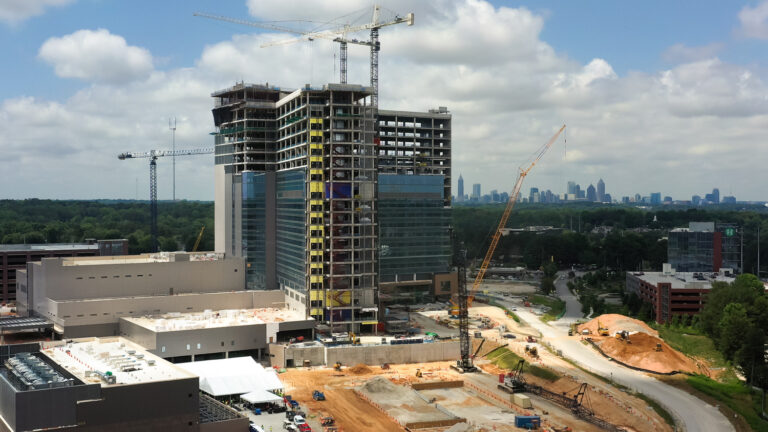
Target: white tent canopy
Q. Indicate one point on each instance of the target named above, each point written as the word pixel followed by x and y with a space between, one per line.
pixel 233 376
pixel 260 396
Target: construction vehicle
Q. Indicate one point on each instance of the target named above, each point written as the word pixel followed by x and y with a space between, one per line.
pixel 337 366
pixel 153 155
pixel 318 395
pixel 478 348
pixel 514 381
pixel 602 331
pixel 658 347
pixel 419 374
pixel 530 339
pixel 531 351
pixel 354 338
pixel 578 404
pixel 199 237
pixel 623 336
pixel 327 421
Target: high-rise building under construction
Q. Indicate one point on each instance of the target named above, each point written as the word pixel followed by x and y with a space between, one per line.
pixel 302 178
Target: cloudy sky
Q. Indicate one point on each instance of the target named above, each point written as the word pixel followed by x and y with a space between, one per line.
pixel 657 95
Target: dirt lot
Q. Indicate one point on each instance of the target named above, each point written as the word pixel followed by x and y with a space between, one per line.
pixel 641 351
pixel 353 413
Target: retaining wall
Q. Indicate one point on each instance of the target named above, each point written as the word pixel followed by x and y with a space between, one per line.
pixel 380 354
pixel 437 385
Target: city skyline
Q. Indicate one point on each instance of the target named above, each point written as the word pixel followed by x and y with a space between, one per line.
pixel 93 79
pixel 601 194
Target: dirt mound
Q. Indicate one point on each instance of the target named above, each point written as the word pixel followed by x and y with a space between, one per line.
pixel 642 353
pixel 360 369
pixel 379 385
pixel 616 323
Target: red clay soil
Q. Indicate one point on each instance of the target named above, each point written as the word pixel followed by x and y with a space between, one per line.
pixel 642 353
pixel 616 323
pixel 360 369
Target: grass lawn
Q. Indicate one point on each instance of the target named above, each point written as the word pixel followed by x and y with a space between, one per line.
pixel 691 342
pixel 736 396
pixel 556 306
pixel 728 389
pixel 507 359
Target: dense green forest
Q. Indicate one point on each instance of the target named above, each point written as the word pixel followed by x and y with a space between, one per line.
pixel 47 221
pixel 635 240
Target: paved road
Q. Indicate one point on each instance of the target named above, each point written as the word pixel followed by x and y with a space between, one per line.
pixel 572 305
pixel 693 414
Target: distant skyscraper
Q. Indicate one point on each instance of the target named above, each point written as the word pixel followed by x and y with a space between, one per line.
pixel 638 198
pixel 591 193
pixel 716 196
pixel 476 191
pixel 625 200
pixel 534 192
pixel 729 200
pixel 655 198
pixel 601 190
pixel 607 198
pixel 695 200
pixel 461 188
pixel 572 187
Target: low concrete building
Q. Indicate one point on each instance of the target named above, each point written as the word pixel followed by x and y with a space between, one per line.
pixel 103 384
pixel 216 334
pixel 14 257
pixel 88 296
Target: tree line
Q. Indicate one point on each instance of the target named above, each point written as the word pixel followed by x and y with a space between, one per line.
pixel 626 238
pixel 52 221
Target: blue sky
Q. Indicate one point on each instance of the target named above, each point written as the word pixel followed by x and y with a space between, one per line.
pixel 629 35
pixel 669 85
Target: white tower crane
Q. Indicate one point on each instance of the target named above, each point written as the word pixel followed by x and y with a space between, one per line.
pixel 336 35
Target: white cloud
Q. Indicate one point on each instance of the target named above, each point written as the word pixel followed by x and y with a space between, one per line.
pixel 96 56
pixel 13 11
pixel 754 21
pixel 681 53
pixel 681 131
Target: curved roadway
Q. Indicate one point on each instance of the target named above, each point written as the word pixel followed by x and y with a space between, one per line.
pixel 693 414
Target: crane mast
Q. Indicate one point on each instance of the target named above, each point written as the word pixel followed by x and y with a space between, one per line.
pixel 153 155
pixel 507 211
pixel 337 35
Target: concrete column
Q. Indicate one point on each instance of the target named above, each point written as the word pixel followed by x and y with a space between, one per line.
pixel 193 357
pixel 226 354
pixel 259 354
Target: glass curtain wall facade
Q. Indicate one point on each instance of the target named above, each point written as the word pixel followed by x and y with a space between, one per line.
pixel 291 230
pixel 254 222
pixel 413 227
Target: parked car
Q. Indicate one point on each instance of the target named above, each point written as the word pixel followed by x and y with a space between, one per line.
pixel 509 336
pixel 304 428
pixel 253 428
pixel 299 420
pixel 289 426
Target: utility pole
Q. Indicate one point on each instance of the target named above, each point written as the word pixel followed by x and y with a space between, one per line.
pixel 172 127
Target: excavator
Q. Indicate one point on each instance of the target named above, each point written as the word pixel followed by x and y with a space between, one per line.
pixel 461 309
pixel 602 331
